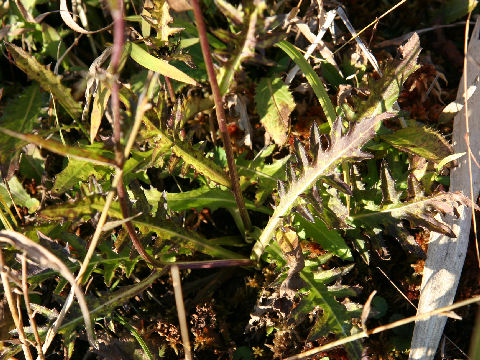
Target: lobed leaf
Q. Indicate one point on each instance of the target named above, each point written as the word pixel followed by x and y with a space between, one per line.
pixel 342 148
pixel 75 172
pixel 384 92
pixel 46 78
pixel 334 317
pixel 418 209
pixel 166 230
pixel 186 152
pixel 259 172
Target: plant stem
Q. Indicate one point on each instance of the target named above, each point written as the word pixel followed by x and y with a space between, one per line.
pixel 118 42
pixel 11 304
pixel 33 323
pixel 116 7
pixel 171 93
pixel 122 198
pixel 182 317
pixel 222 125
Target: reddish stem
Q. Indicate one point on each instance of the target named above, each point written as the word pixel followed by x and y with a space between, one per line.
pixel 118 42
pixel 222 124
pixel 171 93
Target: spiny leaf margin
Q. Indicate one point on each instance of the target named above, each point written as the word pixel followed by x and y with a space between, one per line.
pixel 341 149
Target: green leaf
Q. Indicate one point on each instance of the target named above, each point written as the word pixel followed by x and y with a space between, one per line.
pixel 274 105
pixel 75 172
pixel 167 230
pixel 448 159
pixel 187 153
pixel 342 148
pixel 113 260
pixel 207 198
pixel 20 114
pixel 453 10
pixel 421 141
pixel 157 15
pixel 334 317
pixel 384 92
pixel 150 62
pixel 418 209
pixel 109 301
pixel 245 47
pixel 258 171
pixel 91 155
pixel 147 353
pixel 312 79
pixel 19 195
pixel 329 239
pixel 50 42
pixel 46 78
pixel 98 109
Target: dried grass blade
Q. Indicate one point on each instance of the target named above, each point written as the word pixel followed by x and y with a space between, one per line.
pixel 59 148
pixel 13 310
pixel 67 18
pixel 46 259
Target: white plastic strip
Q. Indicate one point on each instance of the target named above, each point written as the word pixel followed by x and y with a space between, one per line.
pixel 328 20
pixel 359 41
pixel 446 255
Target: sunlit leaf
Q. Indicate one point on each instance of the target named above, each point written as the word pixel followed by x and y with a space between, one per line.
pixel 341 148
pixel 75 172
pixel 329 239
pixel 150 62
pixel 167 230
pixel 274 105
pixel 312 79
pixel 19 195
pixel 385 91
pixel 208 198
pixel 421 141
pixel 98 109
pixel 187 153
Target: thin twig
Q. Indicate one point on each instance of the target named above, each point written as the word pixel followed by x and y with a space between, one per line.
pixel 11 305
pixel 439 312
pixel 182 317
pixel 31 317
pixel 222 125
pixel 371 24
